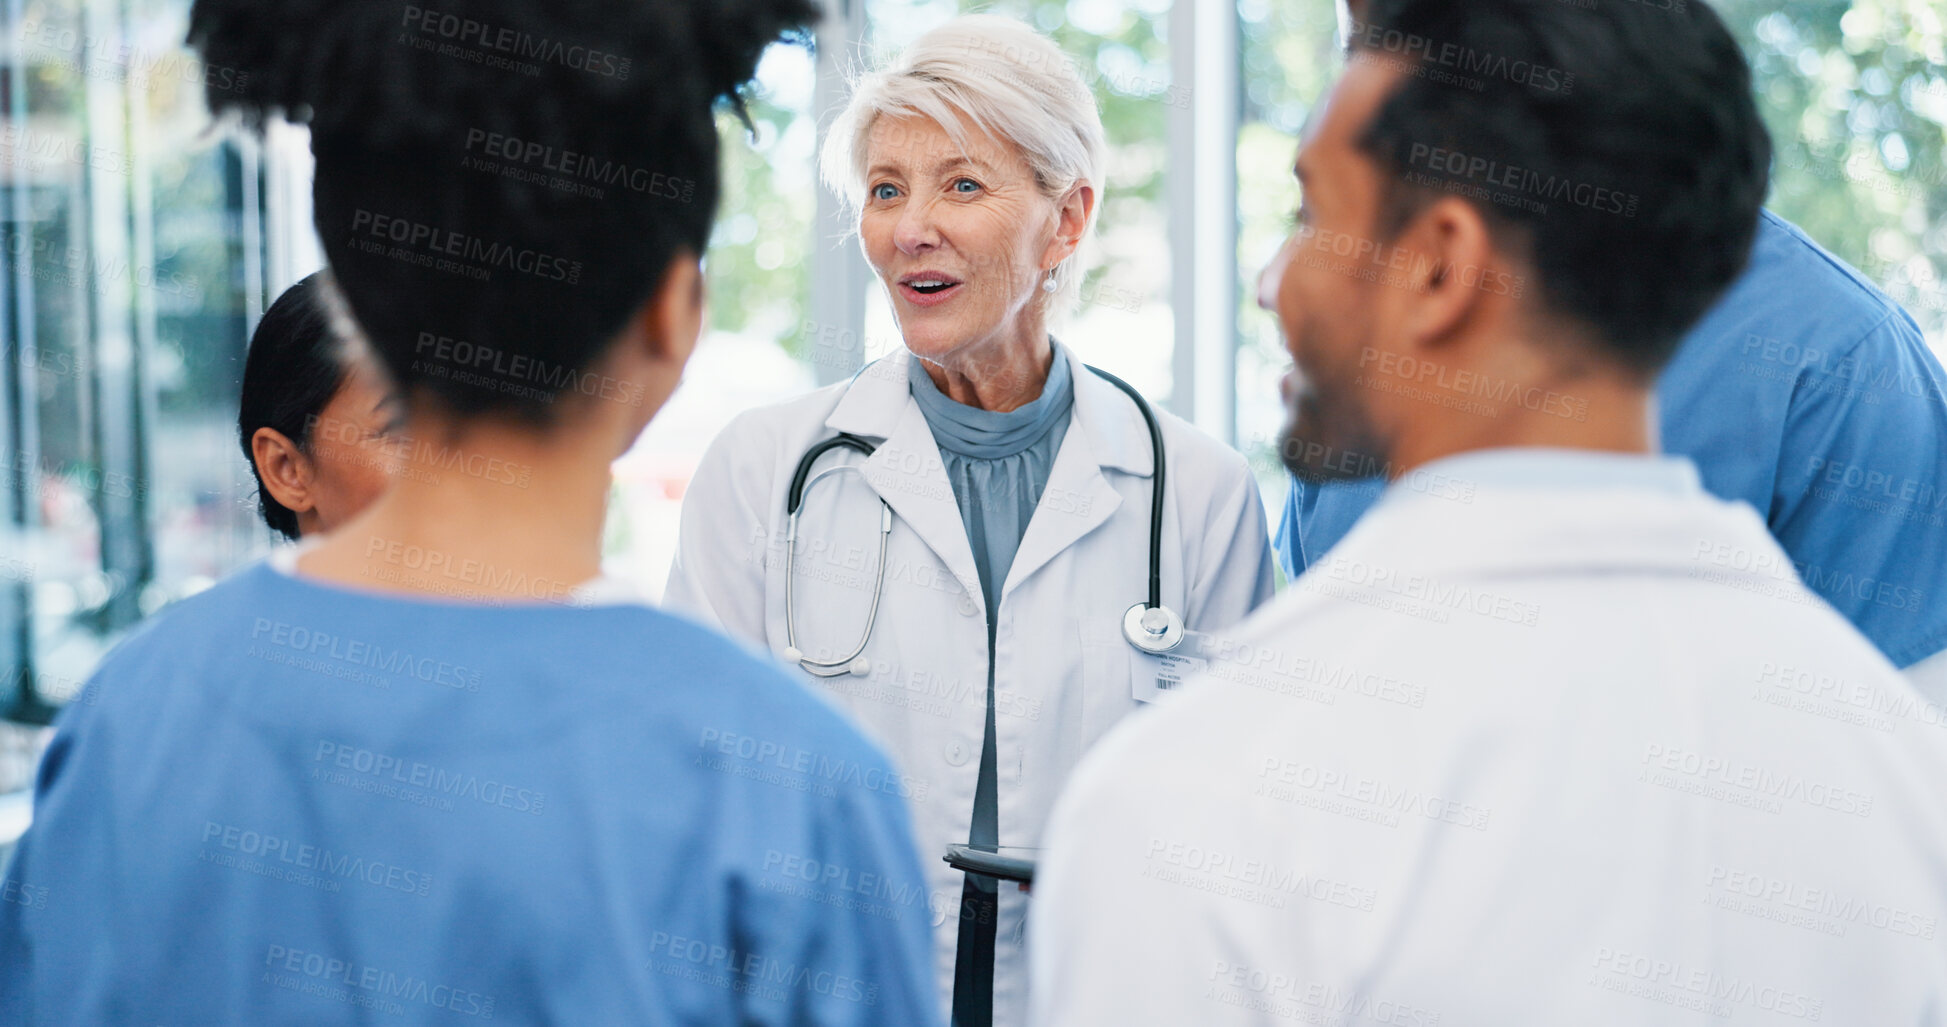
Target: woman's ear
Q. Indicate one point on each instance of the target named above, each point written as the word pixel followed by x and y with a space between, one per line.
pixel 1072 214
pixel 285 470
pixel 675 311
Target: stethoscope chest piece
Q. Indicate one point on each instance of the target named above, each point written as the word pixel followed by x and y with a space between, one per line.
pixel 1153 629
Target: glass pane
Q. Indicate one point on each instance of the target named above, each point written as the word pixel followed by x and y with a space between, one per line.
pixel 128 264
pixel 1288 56
pixel 199 251
pixel 58 157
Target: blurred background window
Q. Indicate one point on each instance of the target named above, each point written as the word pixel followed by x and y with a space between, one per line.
pixel 140 247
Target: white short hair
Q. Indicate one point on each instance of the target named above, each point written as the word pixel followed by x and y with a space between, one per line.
pixel 1008 81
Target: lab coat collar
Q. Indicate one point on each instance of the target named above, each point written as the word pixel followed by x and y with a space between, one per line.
pixel 1441 525
pixel 876 402
pixel 1105 431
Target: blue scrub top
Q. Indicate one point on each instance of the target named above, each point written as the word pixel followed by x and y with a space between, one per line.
pixel 287 803
pixel 1811 396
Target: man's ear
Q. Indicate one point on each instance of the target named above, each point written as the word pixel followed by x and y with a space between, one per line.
pixel 1454 264
pixel 674 315
pixel 286 471
pixel 1071 222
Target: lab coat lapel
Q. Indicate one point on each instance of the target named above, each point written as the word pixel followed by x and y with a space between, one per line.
pixel 1104 431
pixel 906 470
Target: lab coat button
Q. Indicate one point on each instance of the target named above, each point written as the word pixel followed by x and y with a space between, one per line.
pixel 956 754
pixel 967 607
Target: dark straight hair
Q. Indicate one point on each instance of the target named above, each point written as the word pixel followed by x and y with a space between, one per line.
pixel 293 370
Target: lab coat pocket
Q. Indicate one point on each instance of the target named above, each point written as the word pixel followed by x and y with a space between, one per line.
pixel 1107 671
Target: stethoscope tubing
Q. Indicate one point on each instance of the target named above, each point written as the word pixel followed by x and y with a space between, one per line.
pixel 803 478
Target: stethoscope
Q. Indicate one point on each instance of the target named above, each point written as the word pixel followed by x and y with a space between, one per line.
pixel 1150 626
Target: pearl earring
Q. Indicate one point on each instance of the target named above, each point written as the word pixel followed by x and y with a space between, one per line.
pixel 1048 284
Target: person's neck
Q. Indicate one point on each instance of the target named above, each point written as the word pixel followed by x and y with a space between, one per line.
pixel 1594 408
pixel 1002 373
pixel 494 514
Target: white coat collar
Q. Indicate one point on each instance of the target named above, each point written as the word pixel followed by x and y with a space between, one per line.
pixel 1105 431
pixel 1447 525
pixel 876 401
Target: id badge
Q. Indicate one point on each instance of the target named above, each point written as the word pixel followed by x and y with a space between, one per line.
pixel 1152 674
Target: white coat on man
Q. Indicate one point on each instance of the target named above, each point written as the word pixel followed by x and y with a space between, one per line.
pixel 1515 755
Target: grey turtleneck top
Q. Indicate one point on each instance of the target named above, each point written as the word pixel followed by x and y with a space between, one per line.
pixel 998 464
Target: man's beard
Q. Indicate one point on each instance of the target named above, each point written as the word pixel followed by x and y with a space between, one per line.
pixel 1328 435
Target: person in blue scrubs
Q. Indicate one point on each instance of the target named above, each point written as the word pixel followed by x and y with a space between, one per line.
pixel 432 767
pixel 1810 395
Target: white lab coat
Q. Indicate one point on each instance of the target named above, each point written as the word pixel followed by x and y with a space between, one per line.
pixel 1538 757
pixel 1064 675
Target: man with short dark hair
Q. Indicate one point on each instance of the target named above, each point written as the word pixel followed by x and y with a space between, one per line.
pixel 1807 393
pixel 1554 735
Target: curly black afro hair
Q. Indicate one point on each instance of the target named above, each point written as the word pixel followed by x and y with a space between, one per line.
pixel 515 175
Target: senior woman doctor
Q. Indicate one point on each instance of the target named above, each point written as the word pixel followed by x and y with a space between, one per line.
pixel 1010 486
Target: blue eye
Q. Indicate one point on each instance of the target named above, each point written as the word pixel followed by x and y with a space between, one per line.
pixel 969 185
pixel 885 191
